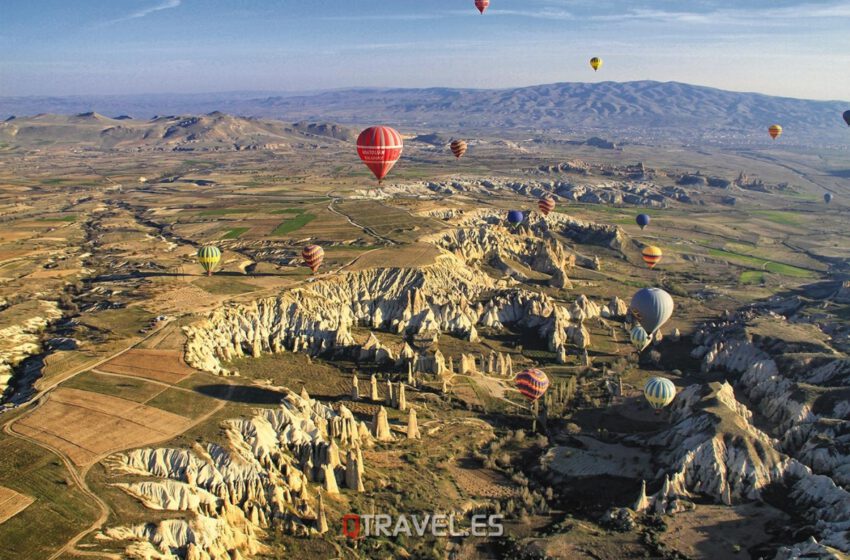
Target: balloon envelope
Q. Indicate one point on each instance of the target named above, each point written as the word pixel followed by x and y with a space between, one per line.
pixel 482 5
pixel 847 117
pixel 459 148
pixel 651 255
pixel 532 383
pixel 659 391
pixel 208 256
pixel 546 205
pixel 652 307
pixel 515 217
pixel 642 220
pixel 595 63
pixel 827 197
pixel 775 131
pixel 380 148
pixel 313 256
pixel 639 337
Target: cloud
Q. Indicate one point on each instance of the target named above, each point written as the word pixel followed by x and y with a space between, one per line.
pixel 162 5
pixel 733 16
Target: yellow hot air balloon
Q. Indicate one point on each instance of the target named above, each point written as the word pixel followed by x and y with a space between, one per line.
pixel 651 255
pixel 595 63
pixel 208 256
pixel 775 131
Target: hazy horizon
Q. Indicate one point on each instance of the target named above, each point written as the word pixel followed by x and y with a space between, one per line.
pixel 51 48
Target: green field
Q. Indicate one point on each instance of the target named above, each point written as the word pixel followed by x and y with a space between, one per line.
pixel 223 285
pixel 779 217
pixel 226 211
pixel 234 233
pixel 69 218
pixel 293 224
pixel 191 405
pixel 60 509
pixel 751 277
pixel 129 388
pixel 756 262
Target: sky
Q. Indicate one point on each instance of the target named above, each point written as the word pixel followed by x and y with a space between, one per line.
pixel 90 47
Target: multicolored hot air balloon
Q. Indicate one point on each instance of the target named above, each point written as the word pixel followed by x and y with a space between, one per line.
pixel 379 147
pixel 546 205
pixel 827 197
pixel 775 131
pixel 595 63
pixel 482 5
pixel 515 217
pixel 652 307
pixel 651 255
pixel 313 256
pixel 642 220
pixel 459 148
pixel 847 117
pixel 532 383
pixel 659 392
pixel 208 256
pixel 639 337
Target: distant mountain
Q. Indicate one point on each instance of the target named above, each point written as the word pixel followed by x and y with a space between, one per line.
pixel 647 110
pixel 213 131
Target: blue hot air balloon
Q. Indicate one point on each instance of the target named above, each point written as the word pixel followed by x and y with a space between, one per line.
pixel 652 307
pixel 660 392
pixel 827 197
pixel 642 220
pixel 515 217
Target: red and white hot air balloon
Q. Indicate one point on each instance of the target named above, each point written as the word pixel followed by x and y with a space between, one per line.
pixel 313 256
pixel 379 147
pixel 546 205
pixel 482 5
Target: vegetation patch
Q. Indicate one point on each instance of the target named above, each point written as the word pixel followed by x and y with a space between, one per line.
pixel 234 233
pixel 293 224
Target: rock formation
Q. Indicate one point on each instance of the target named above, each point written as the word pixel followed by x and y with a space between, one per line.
pixel 412 425
pixel 381 426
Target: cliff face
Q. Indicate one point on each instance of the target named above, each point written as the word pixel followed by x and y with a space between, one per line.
pixel 21 340
pixel 260 481
pixel 714 449
pixel 448 296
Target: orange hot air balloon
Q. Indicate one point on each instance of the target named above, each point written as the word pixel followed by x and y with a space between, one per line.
pixel 775 131
pixel 546 205
pixel 482 5
pixel 379 147
pixel 313 256
pixel 651 255
pixel 532 383
pixel 459 148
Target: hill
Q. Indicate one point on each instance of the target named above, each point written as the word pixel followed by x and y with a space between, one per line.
pixel 647 110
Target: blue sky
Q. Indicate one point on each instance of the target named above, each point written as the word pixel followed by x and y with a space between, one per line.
pixel 57 47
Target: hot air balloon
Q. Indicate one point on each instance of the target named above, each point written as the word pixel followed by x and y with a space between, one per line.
pixel 482 5
pixel 459 148
pixel 639 337
pixel 642 220
pixel 775 131
pixel 652 307
pixel 651 255
pixel 546 205
pixel 532 383
pixel 660 392
pixel 827 197
pixel 515 217
pixel 595 63
pixel 847 117
pixel 208 256
pixel 379 147
pixel 313 256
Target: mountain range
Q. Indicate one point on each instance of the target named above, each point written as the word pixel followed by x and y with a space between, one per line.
pixel 643 110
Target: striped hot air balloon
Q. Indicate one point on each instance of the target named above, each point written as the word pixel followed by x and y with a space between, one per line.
pixel 208 256
pixel 546 205
pixel 775 131
pixel 313 256
pixel 651 255
pixel 659 392
pixel 482 5
pixel 380 148
pixel 532 383
pixel 459 148
pixel 639 337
